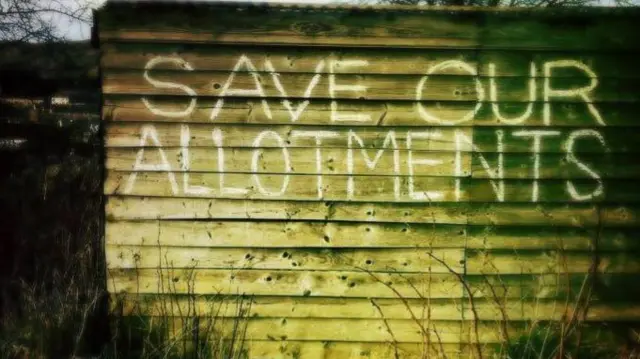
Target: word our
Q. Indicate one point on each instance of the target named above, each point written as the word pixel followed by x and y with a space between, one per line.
pixel 357 150
pixel 327 68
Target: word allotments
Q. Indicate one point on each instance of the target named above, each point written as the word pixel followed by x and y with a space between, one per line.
pixel 403 155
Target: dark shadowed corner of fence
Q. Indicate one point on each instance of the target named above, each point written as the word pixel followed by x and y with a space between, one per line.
pixel 52 300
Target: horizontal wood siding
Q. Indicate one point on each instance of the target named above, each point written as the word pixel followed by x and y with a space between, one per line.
pixel 350 172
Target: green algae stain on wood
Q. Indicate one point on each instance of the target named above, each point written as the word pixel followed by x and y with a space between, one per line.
pixel 350 169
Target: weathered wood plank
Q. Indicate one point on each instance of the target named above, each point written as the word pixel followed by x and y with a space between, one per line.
pixel 621 215
pixel 518 63
pixel 188 208
pixel 371 87
pixel 284 282
pixel 130 135
pixel 348 350
pixel 618 239
pixel 133 35
pixel 487 309
pixel 316 259
pixel 289 187
pixel 302 161
pixel 560 262
pixel 357 284
pixel 507 29
pixel 554 165
pixel 360 188
pixel 333 161
pixel 549 190
pixel 383 113
pixel 519 214
pixel 619 287
pixel 598 140
pixel 286 26
pixel 374 260
pixel 296 86
pixel 518 238
pixel 335 329
pixel 523 287
pixel 285 234
pixel 269 349
pixel 282 59
pixel 549 310
pixel 336 350
pixel 294 307
pixel 534 214
pixel 606 288
pixel 286 59
pixel 242 24
pixel 368 330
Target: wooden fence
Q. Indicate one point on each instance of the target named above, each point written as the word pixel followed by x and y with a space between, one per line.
pixel 375 178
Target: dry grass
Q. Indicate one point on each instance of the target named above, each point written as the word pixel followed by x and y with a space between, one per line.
pixel 569 337
pixel 53 300
pixel 52 283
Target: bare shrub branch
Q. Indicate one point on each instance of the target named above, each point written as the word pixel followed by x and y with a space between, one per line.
pixel 36 20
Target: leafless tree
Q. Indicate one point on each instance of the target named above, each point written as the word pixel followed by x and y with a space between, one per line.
pixel 38 58
pixel 39 20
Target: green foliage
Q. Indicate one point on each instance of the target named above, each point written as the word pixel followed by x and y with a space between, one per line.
pixel 554 341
